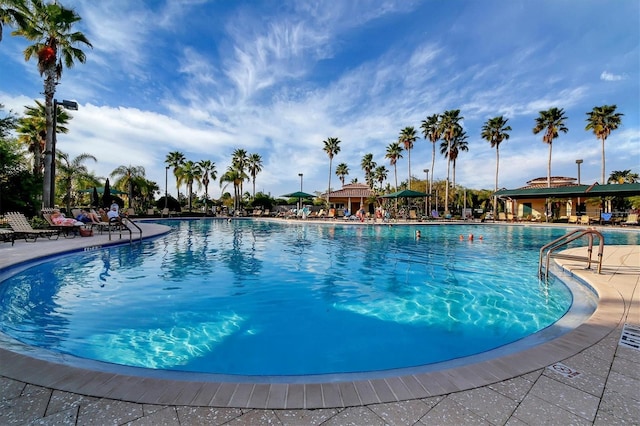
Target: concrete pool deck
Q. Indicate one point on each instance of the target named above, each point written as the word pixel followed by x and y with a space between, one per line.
pixel 514 389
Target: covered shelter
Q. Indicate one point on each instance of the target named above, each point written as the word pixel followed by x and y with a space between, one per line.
pixel 565 197
pixel 351 196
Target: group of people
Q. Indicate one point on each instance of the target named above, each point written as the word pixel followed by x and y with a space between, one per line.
pixel 86 216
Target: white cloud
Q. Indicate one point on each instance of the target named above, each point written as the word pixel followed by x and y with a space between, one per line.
pixel 607 76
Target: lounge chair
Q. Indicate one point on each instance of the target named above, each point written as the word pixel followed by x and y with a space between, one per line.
pixel 332 214
pixel 412 215
pixel 605 218
pixel 573 219
pixel 502 217
pixel 151 212
pixel 632 219
pixel 585 220
pixel 69 231
pixel 22 228
pixel 7 235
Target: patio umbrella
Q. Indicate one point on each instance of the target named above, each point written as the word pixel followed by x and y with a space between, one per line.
pixel 406 193
pixel 100 191
pixel 106 194
pixel 95 198
pixel 299 194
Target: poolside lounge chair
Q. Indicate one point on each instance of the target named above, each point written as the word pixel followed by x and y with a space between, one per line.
pixel 69 231
pixel 22 228
pixel 332 214
pixel 7 235
pixel 632 219
pixel 585 220
pixel 605 218
pixel 502 217
pixel 573 219
pixel 435 215
pixel 412 215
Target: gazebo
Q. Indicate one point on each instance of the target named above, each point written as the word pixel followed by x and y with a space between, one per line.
pixel 351 196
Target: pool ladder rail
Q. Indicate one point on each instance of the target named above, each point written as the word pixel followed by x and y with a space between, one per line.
pixel 548 250
pixel 124 224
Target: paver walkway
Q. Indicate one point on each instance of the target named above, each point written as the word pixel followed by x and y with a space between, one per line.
pixel 607 390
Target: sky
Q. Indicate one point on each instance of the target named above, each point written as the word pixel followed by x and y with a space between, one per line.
pixel 277 78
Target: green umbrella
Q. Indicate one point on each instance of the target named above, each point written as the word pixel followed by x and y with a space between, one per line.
pixel 407 193
pixel 299 194
pixel 100 190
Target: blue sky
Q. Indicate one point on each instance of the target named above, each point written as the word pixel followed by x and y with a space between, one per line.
pixel 279 77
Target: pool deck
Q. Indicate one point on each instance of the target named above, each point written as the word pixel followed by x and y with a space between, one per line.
pixel 597 382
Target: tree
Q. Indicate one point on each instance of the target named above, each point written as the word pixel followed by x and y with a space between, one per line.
pixel 71 171
pixel 407 138
pixel 431 130
pixel 495 131
pixel 189 173
pixel 254 165
pixel 394 153
pixel 332 148
pixel 380 175
pixel 32 131
pixel 175 159
pixel 342 170
pixel 551 122
pixel 622 176
pixel 239 162
pixel 208 173
pixel 10 13
pixel 603 120
pixel 235 176
pixel 49 26
pixel 125 177
pixel 7 123
pixel 368 165
pixel 449 127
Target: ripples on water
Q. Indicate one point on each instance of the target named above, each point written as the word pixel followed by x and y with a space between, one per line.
pixel 263 298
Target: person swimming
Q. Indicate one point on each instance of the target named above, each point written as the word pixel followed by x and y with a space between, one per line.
pixel 418 233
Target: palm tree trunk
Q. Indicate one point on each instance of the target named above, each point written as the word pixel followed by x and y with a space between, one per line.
pixel 495 198
pixel 329 187
pixel 446 190
pixel 49 92
pixel 549 168
pixel 433 164
pixel 395 172
pixel 409 158
pixel 603 168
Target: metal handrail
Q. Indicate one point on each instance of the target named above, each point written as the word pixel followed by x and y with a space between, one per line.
pixel 566 239
pixel 121 225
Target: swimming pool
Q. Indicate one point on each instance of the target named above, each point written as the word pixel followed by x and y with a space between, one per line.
pixel 262 298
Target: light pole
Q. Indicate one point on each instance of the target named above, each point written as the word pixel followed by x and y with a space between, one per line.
pixel 426 200
pixel 300 199
pixel 578 162
pixel 166 186
pixel 70 105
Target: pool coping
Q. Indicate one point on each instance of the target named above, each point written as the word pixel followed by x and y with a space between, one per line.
pixel 150 390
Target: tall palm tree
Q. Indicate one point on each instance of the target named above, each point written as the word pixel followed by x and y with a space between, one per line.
pixel 431 131
pixel 50 27
pixel 342 170
pixel 71 171
pixel 394 153
pixel 32 130
pixel 208 172
pixel 235 176
pixel 368 165
pixel 175 159
pixel 458 145
pixel 495 130
pixel 380 175
pixel 449 126
pixel 603 120
pixel 10 14
pixel 407 138
pixel 189 173
pixel 551 122
pixel 125 177
pixel 332 148
pixel 254 165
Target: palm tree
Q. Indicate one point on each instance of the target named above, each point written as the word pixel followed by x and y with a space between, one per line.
pixel 342 170
pixel 368 165
pixel 208 172
pixel 239 162
pixel 189 173
pixel 175 159
pixel 495 131
pixel 32 130
pixel 254 165
pixel 380 175
pixel 603 120
pixel 394 153
pixel 331 147
pixel 431 130
pixel 71 171
pixel 125 177
pixel 622 176
pixel 407 138
pixel 449 126
pixel 458 145
pixel 551 122
pixel 235 176
pixel 49 26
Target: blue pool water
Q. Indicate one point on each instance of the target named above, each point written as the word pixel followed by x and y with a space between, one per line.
pixel 266 298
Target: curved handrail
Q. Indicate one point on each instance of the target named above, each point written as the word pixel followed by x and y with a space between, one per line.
pixel 566 239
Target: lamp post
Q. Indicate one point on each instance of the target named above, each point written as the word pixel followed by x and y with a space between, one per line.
pixel 300 199
pixel 578 162
pixel 70 105
pixel 166 186
pixel 426 200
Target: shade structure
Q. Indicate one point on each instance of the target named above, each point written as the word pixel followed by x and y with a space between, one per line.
pixel 100 190
pixel 299 194
pixel 406 193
